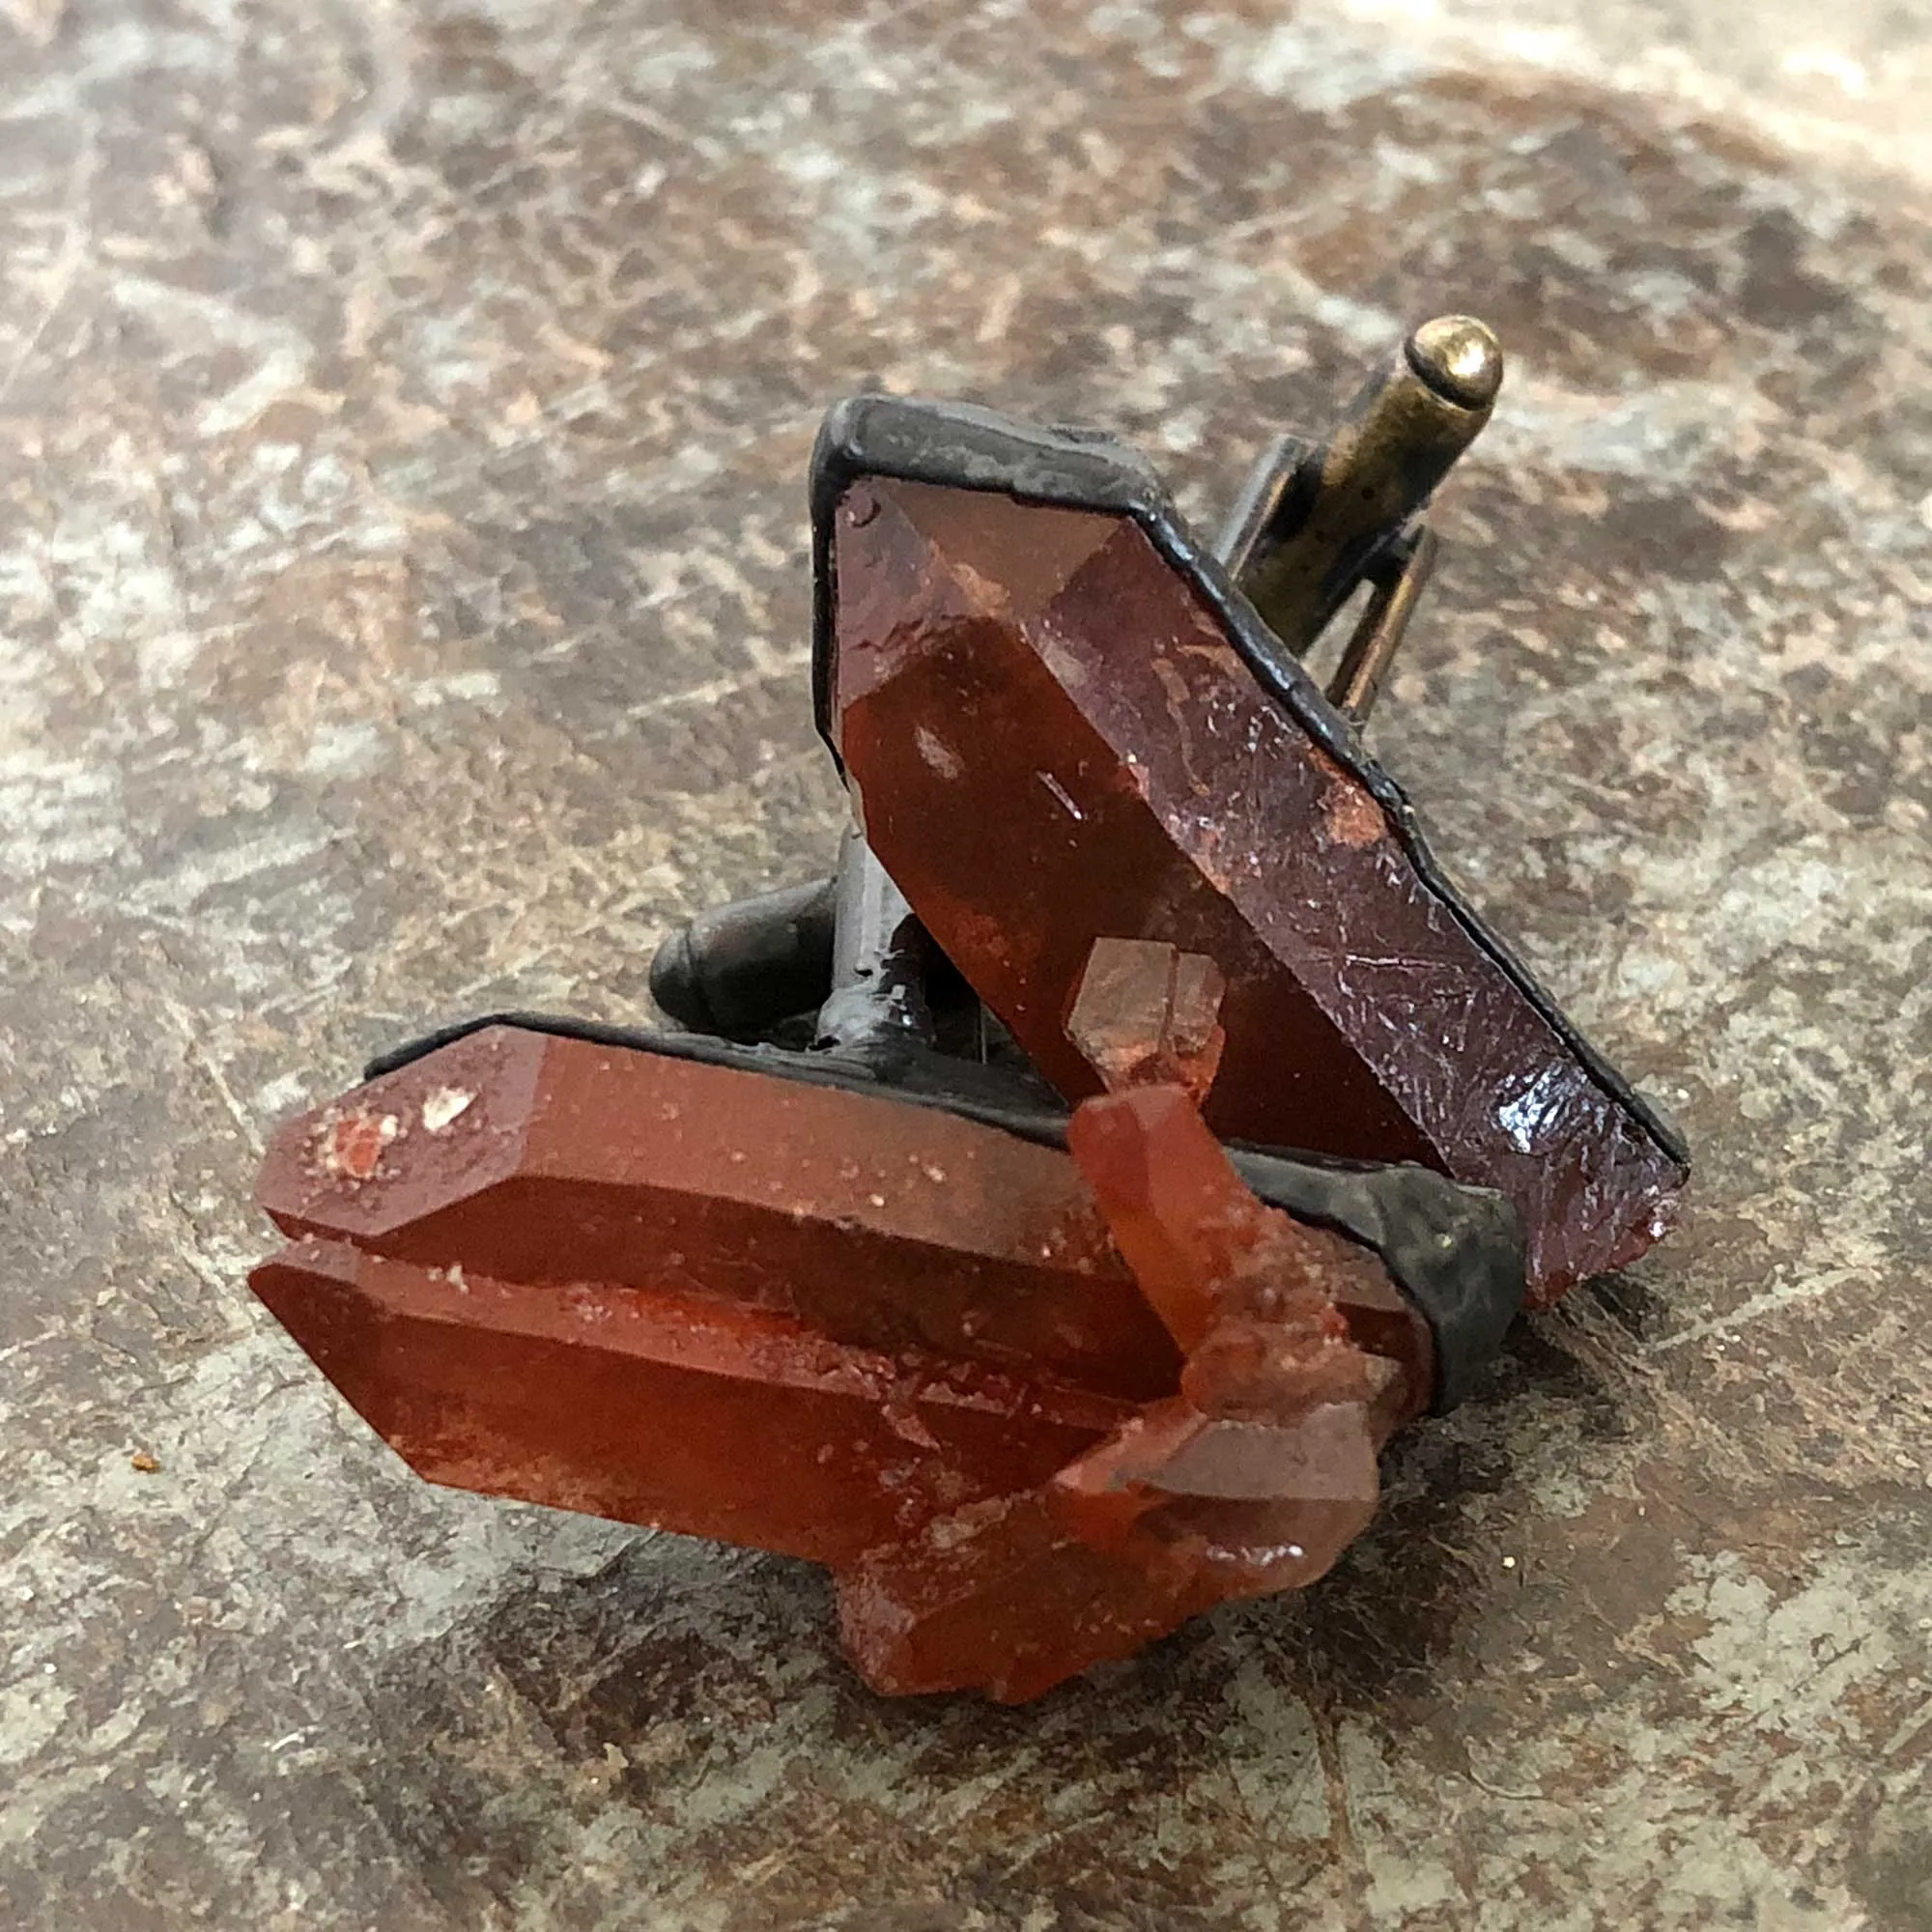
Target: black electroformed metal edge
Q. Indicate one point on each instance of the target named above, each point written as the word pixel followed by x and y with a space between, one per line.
pixel 1456 1252
pixel 963 446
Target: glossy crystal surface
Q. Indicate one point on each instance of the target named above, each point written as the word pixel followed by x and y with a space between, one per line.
pixel 1050 741
pixel 1252 1477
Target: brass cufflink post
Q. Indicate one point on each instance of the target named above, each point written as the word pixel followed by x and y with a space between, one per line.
pixel 1316 519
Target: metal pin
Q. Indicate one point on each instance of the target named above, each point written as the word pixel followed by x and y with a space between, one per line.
pixel 739 968
pixel 1316 519
pixel 1358 677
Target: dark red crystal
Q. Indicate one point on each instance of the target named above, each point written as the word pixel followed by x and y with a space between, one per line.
pixel 881 1225
pixel 1252 1477
pixel 1050 739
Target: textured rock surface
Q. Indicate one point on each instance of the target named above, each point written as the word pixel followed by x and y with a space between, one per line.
pixel 403 564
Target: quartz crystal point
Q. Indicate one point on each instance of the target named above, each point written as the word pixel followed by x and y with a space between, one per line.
pixel 1147 1012
pixel 676 1410
pixel 1252 1477
pixel 1032 1408
pixel 557 1163
pixel 1057 726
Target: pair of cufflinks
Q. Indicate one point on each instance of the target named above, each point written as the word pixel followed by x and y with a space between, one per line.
pixel 1044 1221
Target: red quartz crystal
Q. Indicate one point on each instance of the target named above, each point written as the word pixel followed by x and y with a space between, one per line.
pixel 654 1407
pixel 1032 1408
pixel 543 1160
pixel 1051 740
pixel 1145 1011
pixel 1252 1477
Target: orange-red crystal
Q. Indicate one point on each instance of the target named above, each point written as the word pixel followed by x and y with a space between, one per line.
pixel 1032 1408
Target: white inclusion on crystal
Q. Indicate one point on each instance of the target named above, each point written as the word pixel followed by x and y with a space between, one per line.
pixel 938 753
pixel 1525 1119
pixel 1060 792
pixel 443 1106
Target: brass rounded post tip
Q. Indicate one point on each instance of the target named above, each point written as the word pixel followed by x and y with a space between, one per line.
pixel 1460 358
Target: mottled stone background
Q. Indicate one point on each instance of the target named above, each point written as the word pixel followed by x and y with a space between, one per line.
pixel 402 609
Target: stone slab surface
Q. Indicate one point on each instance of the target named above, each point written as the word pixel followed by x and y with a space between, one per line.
pixel 402 612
